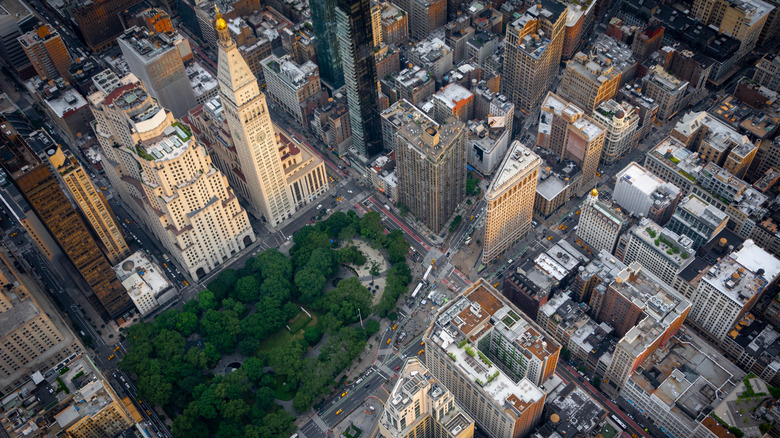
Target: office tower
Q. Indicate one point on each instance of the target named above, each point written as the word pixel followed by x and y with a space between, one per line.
pixel 533 51
pixel 666 90
pixel 642 194
pixel 741 19
pixel 424 16
pixel 47 52
pixel 431 168
pixel 698 220
pixel 32 340
pixel 674 163
pixel 97 21
pixel 715 142
pixel 730 289
pixel 510 201
pixel 157 59
pixel 660 250
pixel 421 407
pixel 357 56
pixel 39 186
pixel 252 133
pixel 91 202
pixel 571 134
pixel 453 100
pixel 10 47
pixel 767 72
pixel 621 121
pixel 323 19
pixel 589 79
pixel 165 174
pixel 600 225
pixel 493 358
pixel 645 313
pixel 294 87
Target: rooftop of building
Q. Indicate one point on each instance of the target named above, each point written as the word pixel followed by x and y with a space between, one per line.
pixel 687 375
pixel 391 13
pixel 413 77
pixel 767 180
pixel 559 261
pixel 554 180
pixel 719 135
pixel 543 10
pixel 430 50
pixel 672 246
pixel 754 10
pixel 291 73
pixel 758 339
pixel 743 274
pixel 633 93
pixel 147 45
pixel 577 412
pixel 486 137
pixel 139 275
pixel 675 155
pixel 658 300
pixel 173 142
pixel 402 111
pixel 610 111
pixel 665 80
pixel 201 80
pixel 648 183
pixel 594 65
pixel 475 314
pixel 453 95
pixel 518 161
pixel 758 122
pixel 43 33
pixel 563 108
pixel 605 266
pixel 701 209
pixel 413 379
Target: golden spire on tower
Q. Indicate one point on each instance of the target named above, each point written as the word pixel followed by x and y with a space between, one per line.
pixel 220 24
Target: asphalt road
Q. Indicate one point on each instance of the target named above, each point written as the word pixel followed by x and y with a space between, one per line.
pixel 477 211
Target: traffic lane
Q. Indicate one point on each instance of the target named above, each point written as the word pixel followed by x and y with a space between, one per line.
pixel 393 217
pixel 574 377
pixel 393 225
pixel 311 430
pixel 341 406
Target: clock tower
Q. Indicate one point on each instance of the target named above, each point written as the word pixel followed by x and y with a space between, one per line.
pixel 246 112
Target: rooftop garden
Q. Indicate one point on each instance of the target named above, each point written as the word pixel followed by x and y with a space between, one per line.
pixel 182 131
pixel 671 247
pixel 686 174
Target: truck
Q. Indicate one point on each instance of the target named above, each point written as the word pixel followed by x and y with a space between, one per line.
pixel 428 272
pixel 417 290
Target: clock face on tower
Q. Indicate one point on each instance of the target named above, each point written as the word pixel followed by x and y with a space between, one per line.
pixel 260 137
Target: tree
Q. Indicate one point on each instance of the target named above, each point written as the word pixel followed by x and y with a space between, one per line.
pixel 392 316
pixel 221 329
pixel 351 255
pixel 274 263
pixel 322 260
pixel 310 283
pixel 168 344
pixel 247 289
pixel 345 300
pixel 154 388
pixel 248 345
pixel 374 270
pixel 277 288
pixel 253 368
pixel 312 335
pixel 224 283
pixel 186 322
pixel 207 300
pixel 372 327
pixel 371 226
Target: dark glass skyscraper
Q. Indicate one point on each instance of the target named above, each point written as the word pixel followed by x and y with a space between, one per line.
pixel 356 45
pixel 323 18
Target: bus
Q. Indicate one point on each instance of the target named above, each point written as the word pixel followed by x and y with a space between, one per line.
pixel 425 277
pixel 417 289
pixel 618 421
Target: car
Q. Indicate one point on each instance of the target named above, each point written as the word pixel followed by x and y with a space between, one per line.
pixel 510 261
pixel 398 368
pixel 338 412
pixel 582 379
pixel 549 238
pixel 420 352
pixel 103 188
pixel 388 341
pixel 344 394
pixel 111 357
pixel 14 234
pixel 117 348
pixel 395 326
pixel 366 385
pixel 349 191
pixel 185 283
pixel 319 206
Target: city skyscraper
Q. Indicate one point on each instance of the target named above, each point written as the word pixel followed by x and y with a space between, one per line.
pixel 356 46
pixel 92 204
pixel 47 52
pixel 39 186
pixel 323 19
pixel 534 43
pixel 253 136
pixel 510 201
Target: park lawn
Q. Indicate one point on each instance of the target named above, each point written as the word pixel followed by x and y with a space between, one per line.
pixel 283 337
pixel 281 391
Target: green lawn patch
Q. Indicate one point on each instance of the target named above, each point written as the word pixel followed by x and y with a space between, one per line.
pixel 352 431
pixel 283 337
pixel 300 321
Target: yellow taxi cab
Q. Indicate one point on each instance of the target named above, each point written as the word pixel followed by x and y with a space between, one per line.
pixel 549 238
pixel 338 412
pixel 388 341
pixel 421 352
pixel 111 357
pixel 344 394
pixel 117 348
pixel 395 326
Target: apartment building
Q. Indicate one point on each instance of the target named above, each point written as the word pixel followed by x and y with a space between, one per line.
pixel 557 184
pixel 698 220
pixel 571 134
pixel 421 407
pixel 743 20
pixel 716 142
pixel 31 340
pixel 730 289
pixel 453 100
pixel 158 60
pixel 651 311
pixel 487 143
pixel 393 24
pixel 98 21
pixel 600 225
pixel 91 202
pixel 47 52
pixel 767 72
pixel 659 250
pixel 621 121
pixel 40 188
pixel 424 16
pixel 431 169
pixel 647 108
pixel 414 84
pixel 642 194
pixel 493 370
pixel 433 55
pixel 666 90
pixel 534 43
pixel 601 272
pixel 671 161
pixel 589 79
pixel 510 201
pixel 294 87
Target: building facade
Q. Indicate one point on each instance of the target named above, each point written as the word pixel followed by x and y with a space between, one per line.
pixel 47 52
pixel 621 121
pixel 600 226
pixel 667 258
pixel 510 201
pixel 431 169
pixel 589 79
pixel 92 203
pixel 698 220
pixel 294 87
